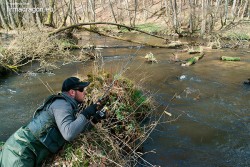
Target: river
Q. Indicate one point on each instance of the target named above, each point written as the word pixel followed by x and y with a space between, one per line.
pixel 210 117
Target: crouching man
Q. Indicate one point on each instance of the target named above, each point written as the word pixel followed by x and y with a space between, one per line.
pixel 54 123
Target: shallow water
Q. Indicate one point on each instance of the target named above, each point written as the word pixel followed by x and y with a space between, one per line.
pixel 212 103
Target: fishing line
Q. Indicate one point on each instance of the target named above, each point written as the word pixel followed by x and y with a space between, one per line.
pixel 47 86
pixel 123 69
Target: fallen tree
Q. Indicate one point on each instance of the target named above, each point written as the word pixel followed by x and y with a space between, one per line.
pixel 107 23
pixel 227 58
pixel 175 44
pixel 193 60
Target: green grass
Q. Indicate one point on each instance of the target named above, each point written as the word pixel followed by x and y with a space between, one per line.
pixel 237 36
pixel 149 27
pixel 138 97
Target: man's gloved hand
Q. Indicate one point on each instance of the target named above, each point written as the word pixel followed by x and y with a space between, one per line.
pixel 100 114
pixel 90 111
pixel 96 112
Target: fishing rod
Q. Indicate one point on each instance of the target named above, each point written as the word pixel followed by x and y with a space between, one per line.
pixel 116 77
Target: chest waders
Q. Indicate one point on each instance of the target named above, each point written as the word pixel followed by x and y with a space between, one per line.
pixel 43 126
pixel 31 144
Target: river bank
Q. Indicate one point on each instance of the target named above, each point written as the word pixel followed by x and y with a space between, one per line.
pixel 23 47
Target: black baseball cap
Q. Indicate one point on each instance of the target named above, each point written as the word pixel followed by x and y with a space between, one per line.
pixel 73 83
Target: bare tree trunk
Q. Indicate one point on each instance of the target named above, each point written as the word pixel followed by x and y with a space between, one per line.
pixel 120 17
pixel 217 5
pixel 167 11
pixel 129 14
pixel 226 13
pixel 92 6
pixel 66 14
pixel 245 9
pixel 76 17
pixel 191 16
pixel 19 17
pixel 83 13
pixel 173 5
pixel 33 14
pixel 73 13
pixel 135 13
pixel 4 22
pixel 203 16
pixel 112 10
pixel 70 13
pixel 10 14
pixel 240 8
pixel 233 10
pixel 38 14
pixel 248 10
pixel 145 12
pixel 50 13
pixel 210 16
pixel 87 10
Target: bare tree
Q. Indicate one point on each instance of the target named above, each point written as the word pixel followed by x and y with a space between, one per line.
pixel 226 13
pixel 204 16
pixel 50 13
pixel 135 12
pixel 65 16
pixel 191 16
pixel 233 10
pixel 38 14
pixel 10 14
pixel 112 10
pixel 245 9
pixel 173 6
pixel 92 8
pixel 128 12
pixel 3 21
pixel 248 10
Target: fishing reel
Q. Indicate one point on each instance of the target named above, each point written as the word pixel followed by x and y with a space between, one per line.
pixel 102 112
pixel 101 109
pixel 100 115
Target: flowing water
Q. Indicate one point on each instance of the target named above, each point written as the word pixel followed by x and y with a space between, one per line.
pixel 210 117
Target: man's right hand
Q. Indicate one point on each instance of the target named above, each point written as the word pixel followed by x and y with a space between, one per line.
pixel 90 111
pixel 100 115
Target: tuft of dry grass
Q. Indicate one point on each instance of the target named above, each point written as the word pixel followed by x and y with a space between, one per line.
pixel 34 45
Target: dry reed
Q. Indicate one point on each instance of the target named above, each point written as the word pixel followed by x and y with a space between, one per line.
pixel 34 45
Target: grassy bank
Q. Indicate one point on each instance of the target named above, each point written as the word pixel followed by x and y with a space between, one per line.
pixel 117 140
